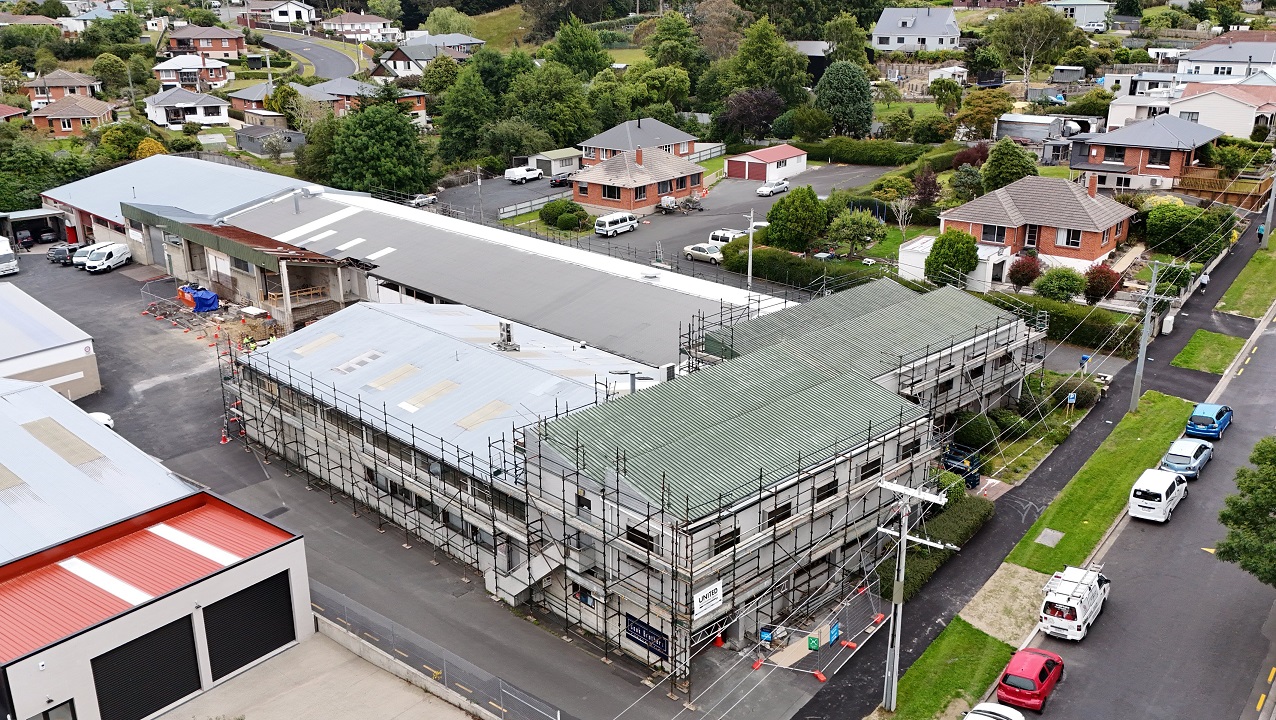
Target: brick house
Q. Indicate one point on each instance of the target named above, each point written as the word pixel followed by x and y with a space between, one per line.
pixel 252 97
pixel 1148 154
pixel 344 94
pixel 636 180
pixel 72 115
pixel 192 72
pixel 1067 223
pixel 209 42
pixel 629 136
pixel 58 84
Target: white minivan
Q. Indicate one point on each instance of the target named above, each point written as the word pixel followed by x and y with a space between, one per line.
pixel 107 257
pixel 1155 495
pixel 8 261
pixel 615 223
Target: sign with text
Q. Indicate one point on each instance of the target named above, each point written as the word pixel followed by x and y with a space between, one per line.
pixel 835 631
pixel 706 600
pixel 646 636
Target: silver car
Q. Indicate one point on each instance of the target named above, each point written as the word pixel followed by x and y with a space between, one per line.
pixel 772 187
pixel 81 256
pixel 704 252
pixel 1188 457
pixel 422 200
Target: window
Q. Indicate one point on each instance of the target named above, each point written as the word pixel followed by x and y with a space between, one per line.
pixel 1030 234
pixel 883 40
pixel 994 234
pixel 682 148
pixel 640 192
pixel 582 594
pixel 582 188
pixel 726 541
pixel 212 112
pixel 1103 180
pixel 1190 116
pixel 611 192
pixel 826 491
pixel 899 41
pixel 1069 238
pixel 1222 70
pixel 583 502
pixel 590 153
pixel 1159 156
pixel 1002 361
pixel 1107 235
pixel 871 469
pixel 1070 12
pixel 781 163
pixel 1196 70
pixel 943 387
pixel 66 124
pixel 921 41
pixel 976 372
pixel 664 186
pixel 1122 181
pixel 771 518
pixel 242 266
pixel 205 42
pixel 641 539
pixel 65 711
pixel 682 183
pixel 910 448
pixel 225 42
pixel 695 179
pixel 1113 154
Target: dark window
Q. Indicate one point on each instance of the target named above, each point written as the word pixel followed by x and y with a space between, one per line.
pixel 242 266
pixel 640 192
pixel 910 448
pixel 976 372
pixel 1030 235
pixel 1113 154
pixel 509 505
pixel 664 186
pixel 1159 156
pixel 695 179
pixel 1122 181
pixel 778 515
pixel 994 234
pixel 726 541
pixel 943 387
pixel 641 539
pixel 826 491
pixel 611 192
pixel 871 468
pixel 682 183
pixel 583 501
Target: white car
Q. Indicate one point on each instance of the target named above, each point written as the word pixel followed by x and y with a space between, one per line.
pixel 772 187
pixel 1095 26
pixel 422 200
pixel 704 252
pixel 103 419
pixel 725 235
pixel 993 711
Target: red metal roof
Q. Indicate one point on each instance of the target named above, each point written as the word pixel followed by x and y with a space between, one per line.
pixel 68 588
pixel 774 153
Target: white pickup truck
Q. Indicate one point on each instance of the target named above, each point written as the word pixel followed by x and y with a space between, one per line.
pixel 521 175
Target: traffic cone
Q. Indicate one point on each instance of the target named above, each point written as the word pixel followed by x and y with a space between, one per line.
pixel 224 438
pixel 717 642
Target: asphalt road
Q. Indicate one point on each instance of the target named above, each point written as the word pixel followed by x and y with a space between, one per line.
pixel 328 63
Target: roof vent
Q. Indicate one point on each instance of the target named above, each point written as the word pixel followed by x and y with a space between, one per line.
pixel 506 343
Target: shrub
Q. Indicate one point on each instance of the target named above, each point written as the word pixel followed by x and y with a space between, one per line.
pixel 1060 284
pixel 1087 392
pixel 568 221
pixel 236 114
pixel 960 519
pixel 183 143
pixel 975 430
pixel 1260 133
pixel 975 155
pixel 782 127
pixel 550 213
pixel 862 152
pixel 1057 435
pixel 1094 328
pixel 1032 406
pixel 1024 271
pixel 1010 424
pixel 191 128
pixel 933 129
pixel 1100 282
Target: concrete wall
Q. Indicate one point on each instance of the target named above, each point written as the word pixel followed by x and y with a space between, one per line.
pixel 64 672
pixel 71 370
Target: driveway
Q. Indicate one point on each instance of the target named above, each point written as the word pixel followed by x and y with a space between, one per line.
pixel 493 194
pixel 328 63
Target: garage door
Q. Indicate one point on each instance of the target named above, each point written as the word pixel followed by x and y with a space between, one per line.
pixel 757 171
pixel 249 624
pixel 147 674
pixel 736 169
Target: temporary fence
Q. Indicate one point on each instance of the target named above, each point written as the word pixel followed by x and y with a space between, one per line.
pixel 717 150
pixel 527 206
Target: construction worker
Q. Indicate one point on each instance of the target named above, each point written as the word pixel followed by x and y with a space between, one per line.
pixel 252 345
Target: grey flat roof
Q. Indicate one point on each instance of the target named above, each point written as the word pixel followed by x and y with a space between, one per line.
pixel 27 326
pixel 1165 131
pixel 584 296
pixel 63 475
pixel 174 181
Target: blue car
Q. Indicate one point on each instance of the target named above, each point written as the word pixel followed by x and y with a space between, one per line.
pixel 1209 421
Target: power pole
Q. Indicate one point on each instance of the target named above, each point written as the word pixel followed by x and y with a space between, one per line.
pixel 1149 300
pixel 891 691
pixel 1267 227
pixel 749 276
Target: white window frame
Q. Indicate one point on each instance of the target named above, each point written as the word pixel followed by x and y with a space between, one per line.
pixel 67 124
pixel 1064 238
pixel 1030 235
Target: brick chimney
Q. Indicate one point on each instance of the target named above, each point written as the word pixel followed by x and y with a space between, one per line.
pixel 1094 185
pixel 638 155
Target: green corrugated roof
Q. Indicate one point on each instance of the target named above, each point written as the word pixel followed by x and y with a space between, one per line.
pixel 712 433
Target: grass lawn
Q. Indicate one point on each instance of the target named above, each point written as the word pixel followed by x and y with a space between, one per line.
pixel 502 29
pixel 961 663
pixel 920 109
pixel 1254 289
pixel 889 248
pixel 1085 509
pixel 1054 171
pixel 713 165
pixel 1209 351
pixel 967 19
pixel 628 56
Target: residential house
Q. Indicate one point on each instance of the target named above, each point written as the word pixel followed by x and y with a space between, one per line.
pixel 634 134
pixel 637 180
pixel 59 84
pixel 364 28
pixel 7 19
pixel 173 108
pixel 8 113
pixel 1081 12
pixel 913 29
pixel 254 139
pixel 460 42
pixel 192 72
pixel 209 42
pixel 1067 223
pixel 410 59
pixel 1042 134
pixel 1149 154
pixel 252 97
pixel 956 73
pixel 1232 109
pixel 77 24
pixel 766 164
pixel 72 115
pixel 553 162
pixel 279 12
pixel 344 93
pixel 1233 58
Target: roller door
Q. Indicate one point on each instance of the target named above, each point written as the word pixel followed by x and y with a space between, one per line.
pixel 757 171
pixel 736 169
pixel 148 674
pixel 249 624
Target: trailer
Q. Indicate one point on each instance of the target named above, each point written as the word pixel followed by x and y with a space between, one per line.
pixel 1074 599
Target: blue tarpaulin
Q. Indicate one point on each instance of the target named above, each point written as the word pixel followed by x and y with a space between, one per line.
pixel 205 300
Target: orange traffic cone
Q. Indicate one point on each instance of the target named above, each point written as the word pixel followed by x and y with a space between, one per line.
pixel 717 642
pixel 224 438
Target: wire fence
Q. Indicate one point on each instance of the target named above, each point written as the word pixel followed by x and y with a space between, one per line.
pixel 455 673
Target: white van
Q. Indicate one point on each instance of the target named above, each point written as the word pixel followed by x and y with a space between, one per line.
pixel 615 223
pixel 107 257
pixel 1156 494
pixel 8 261
pixel 1074 598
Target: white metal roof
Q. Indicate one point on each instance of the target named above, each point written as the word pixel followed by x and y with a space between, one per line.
pixel 27 326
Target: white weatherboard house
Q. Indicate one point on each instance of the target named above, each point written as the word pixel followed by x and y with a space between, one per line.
pixel 1081 12
pixel 913 29
pixel 1229 59
pixel 176 107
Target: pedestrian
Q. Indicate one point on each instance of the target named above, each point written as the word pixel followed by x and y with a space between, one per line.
pixel 1261 230
pixel 1205 282
pixel 1103 392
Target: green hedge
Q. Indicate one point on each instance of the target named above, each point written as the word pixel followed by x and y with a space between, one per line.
pixel 1080 324
pixel 783 266
pixel 864 152
pixel 263 75
pixel 961 518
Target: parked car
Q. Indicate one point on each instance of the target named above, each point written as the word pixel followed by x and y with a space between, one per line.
pixel 103 419
pixel 704 252
pixel 422 200
pixel 1074 598
pixel 521 175
pixel 561 180
pixel 725 235
pixel 1029 678
pixel 23 239
pixel 107 257
pixel 1209 421
pixel 60 253
pixel 993 711
pixel 615 223
pixel 1188 457
pixel 49 236
pixel 772 187
pixel 1155 495
pixel 1095 26
pixel 81 256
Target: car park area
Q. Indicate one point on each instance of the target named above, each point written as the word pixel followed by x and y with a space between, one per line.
pixel 493 194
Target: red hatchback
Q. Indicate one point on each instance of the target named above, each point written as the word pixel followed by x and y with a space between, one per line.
pixel 1030 677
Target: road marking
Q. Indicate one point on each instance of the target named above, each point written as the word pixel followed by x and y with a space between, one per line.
pixel 1251 357
pixel 1209 550
pixel 400 652
pixel 471 691
pixel 374 637
pixel 1271 675
pixel 1253 350
pixel 1238 372
pixel 1261 699
pixel 498 707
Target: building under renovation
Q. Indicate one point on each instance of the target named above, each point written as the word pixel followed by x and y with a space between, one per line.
pixel 723 500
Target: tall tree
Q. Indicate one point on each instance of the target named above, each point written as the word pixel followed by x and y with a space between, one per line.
pixel 553 99
pixel 45 61
pixel 947 94
pixel 112 71
pixel 391 10
pixel 610 99
pixel 796 220
pixel 1028 35
pixel 52 9
pixel 966 183
pixel 515 136
pixel 980 110
pixel 847 40
pixel 673 43
pixel 579 49
pixel 852 231
pixel 845 94
pixel 467 108
pixel 442 20
pixel 1007 162
pixel 1251 535
pixel 280 100
pixel 951 258
pixel 439 74
pixel 766 60
pixel 718 23
pixel 379 147
pixel 748 113
pixel 314 159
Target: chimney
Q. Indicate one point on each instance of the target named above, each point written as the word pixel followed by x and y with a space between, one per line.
pixel 638 155
pixel 1094 185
